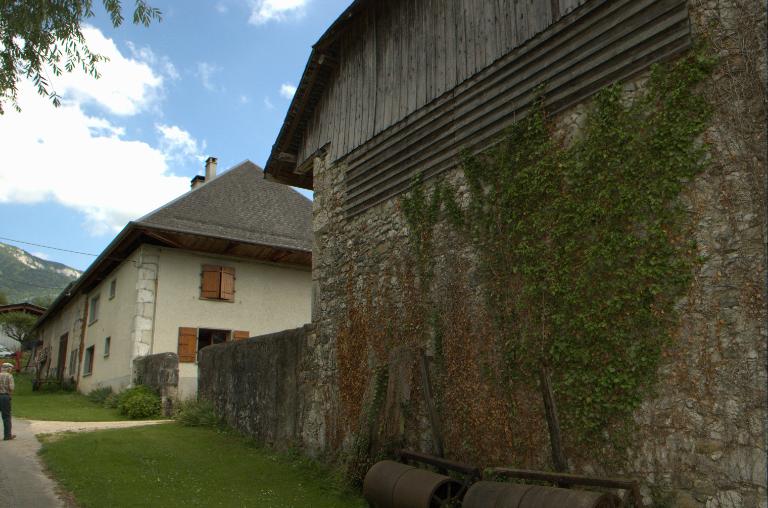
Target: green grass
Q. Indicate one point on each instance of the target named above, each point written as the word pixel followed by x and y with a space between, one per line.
pixel 172 465
pixel 57 406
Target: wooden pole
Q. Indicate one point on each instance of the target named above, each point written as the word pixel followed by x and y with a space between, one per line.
pixel 434 421
pixel 550 410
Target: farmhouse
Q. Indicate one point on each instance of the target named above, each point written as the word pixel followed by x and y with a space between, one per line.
pixel 227 260
pixel 613 239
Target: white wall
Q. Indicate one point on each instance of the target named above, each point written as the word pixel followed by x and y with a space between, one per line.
pixel 114 320
pixel 268 298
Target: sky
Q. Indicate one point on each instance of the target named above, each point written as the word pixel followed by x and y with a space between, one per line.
pixel 213 78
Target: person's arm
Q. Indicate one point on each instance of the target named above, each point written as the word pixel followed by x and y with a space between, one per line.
pixel 11 385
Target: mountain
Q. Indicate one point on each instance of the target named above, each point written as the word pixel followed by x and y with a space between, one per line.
pixel 24 276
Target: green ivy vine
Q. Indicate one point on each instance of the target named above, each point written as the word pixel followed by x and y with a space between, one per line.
pixel 583 250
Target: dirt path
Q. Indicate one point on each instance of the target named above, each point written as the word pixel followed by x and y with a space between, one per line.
pixel 22 481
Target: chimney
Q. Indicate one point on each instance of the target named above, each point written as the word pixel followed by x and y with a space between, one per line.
pixel 197 181
pixel 210 168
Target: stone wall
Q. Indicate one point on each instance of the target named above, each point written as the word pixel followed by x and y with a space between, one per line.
pixel 161 373
pixel 265 387
pixel 701 439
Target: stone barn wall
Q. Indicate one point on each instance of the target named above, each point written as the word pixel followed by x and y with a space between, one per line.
pixel 700 440
pixel 161 373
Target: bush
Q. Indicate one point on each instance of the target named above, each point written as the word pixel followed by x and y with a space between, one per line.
pixel 193 413
pixel 69 385
pixel 111 401
pixel 139 402
pixel 99 395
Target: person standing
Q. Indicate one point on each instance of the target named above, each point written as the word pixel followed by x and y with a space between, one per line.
pixel 6 391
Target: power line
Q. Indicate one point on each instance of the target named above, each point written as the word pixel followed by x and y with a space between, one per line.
pixel 48 247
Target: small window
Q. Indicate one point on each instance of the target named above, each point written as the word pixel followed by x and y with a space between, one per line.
pixel 107 343
pixel 217 283
pixel 112 288
pixel 94 313
pixel 88 361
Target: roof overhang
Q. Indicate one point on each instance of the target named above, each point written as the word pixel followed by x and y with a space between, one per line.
pixel 283 165
pixel 136 234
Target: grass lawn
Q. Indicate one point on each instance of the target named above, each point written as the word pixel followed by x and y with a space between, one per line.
pixel 172 465
pixel 61 406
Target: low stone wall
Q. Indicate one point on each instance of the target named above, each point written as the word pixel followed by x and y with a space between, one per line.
pixel 257 385
pixel 161 373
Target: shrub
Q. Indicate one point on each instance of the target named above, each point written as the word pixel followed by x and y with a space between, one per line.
pixel 139 402
pixel 193 413
pixel 99 395
pixel 69 385
pixel 111 401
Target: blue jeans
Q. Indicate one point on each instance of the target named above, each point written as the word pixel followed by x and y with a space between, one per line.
pixel 5 409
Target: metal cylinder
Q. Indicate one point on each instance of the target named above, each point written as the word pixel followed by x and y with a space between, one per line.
pixel 390 484
pixel 507 495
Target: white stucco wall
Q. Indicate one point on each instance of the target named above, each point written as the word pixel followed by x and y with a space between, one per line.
pixel 114 320
pixel 268 298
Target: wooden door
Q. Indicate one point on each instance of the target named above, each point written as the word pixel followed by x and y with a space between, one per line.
pixel 62 356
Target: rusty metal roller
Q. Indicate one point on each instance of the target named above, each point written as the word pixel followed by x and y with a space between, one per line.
pixel 508 495
pixel 390 484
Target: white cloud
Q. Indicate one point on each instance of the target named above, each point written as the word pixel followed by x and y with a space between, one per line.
pixel 40 255
pixel 244 99
pixel 86 161
pixel 287 90
pixel 178 144
pixel 263 11
pixel 206 71
pixel 127 86
pixel 222 8
pixel 146 55
pixel 268 103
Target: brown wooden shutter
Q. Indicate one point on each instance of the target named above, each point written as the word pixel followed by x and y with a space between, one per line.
pixel 211 282
pixel 227 283
pixel 187 344
pixel 240 334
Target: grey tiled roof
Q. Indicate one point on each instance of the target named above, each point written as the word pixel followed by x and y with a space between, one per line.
pixel 240 205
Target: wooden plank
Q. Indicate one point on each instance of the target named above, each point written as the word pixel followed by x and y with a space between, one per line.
pixel 381 70
pixel 421 97
pixel 408 65
pixel 440 7
pixel 469 23
pixel 461 40
pixel 450 43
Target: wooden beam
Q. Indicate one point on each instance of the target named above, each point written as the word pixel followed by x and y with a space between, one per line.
pixel 289 158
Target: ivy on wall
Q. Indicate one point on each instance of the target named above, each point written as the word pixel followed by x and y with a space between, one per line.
pixel 582 250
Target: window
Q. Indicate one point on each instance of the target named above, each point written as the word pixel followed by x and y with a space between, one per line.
pixel 107 343
pixel 94 313
pixel 73 362
pixel 88 361
pixel 217 283
pixel 192 340
pixel 112 288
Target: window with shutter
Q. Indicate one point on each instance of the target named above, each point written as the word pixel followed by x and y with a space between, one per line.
pixel 187 344
pixel 218 283
pixel 240 334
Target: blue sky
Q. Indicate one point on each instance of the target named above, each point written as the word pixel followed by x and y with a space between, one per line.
pixel 213 78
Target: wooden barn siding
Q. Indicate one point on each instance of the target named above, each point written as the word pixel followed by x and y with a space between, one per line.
pixel 399 55
pixel 603 42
